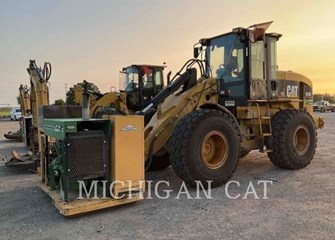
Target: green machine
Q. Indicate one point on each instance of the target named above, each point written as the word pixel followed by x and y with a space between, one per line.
pixel 76 150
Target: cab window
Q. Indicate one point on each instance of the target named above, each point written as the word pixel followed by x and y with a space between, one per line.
pixel 147 80
pixel 159 79
pixel 257 60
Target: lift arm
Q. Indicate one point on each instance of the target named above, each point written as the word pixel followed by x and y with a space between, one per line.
pixel 24 99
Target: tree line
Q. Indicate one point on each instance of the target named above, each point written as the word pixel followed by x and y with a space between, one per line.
pixel 70 95
pixel 324 96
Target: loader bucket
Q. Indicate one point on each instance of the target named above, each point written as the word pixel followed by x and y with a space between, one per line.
pixel 16 159
pixel 14 135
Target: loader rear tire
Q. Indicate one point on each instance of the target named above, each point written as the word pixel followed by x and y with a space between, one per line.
pixel 159 163
pixel 205 146
pixel 294 139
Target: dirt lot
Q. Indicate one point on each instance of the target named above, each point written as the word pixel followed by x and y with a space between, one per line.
pixel 300 204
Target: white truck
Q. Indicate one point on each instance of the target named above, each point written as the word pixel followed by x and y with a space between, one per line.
pixel 323 106
pixel 15 114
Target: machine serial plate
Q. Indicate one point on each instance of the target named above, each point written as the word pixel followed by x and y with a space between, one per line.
pixel 229 103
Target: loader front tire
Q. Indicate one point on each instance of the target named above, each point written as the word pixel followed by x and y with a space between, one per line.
pixel 205 146
pixel 294 139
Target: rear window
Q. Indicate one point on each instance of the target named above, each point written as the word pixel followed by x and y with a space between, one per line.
pixel 17 110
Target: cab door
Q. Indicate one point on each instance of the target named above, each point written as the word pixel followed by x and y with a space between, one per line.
pixel 152 84
pixel 271 66
pixel 257 70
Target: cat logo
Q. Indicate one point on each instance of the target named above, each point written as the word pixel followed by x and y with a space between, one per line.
pixel 292 91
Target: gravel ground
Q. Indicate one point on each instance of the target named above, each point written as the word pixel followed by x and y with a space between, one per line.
pixel 300 205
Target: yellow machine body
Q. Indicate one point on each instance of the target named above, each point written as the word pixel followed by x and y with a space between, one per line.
pixel 127 153
pixel 117 99
pixel 205 94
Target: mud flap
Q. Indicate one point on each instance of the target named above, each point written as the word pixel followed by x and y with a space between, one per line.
pixel 319 122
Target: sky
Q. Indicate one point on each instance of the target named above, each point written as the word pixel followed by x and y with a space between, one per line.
pixel 93 40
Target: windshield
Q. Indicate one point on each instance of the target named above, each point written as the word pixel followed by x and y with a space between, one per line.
pixel 225 56
pixel 128 79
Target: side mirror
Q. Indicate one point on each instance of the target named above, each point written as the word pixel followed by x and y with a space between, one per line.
pixel 196 52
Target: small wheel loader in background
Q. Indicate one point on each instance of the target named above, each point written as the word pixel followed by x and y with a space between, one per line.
pixel 217 108
pixel 139 84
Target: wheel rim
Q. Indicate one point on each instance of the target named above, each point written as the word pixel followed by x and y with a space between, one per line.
pixel 301 140
pixel 214 149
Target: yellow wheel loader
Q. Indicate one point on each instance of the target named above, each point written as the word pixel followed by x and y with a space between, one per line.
pixel 139 84
pixel 237 102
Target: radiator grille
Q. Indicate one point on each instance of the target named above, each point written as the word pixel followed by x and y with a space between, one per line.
pixel 86 155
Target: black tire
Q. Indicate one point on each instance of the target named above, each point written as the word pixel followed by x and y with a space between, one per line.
pixel 159 163
pixel 285 125
pixel 323 110
pixel 186 143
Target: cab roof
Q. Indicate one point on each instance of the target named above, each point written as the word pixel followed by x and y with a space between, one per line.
pixel 145 65
pixel 237 30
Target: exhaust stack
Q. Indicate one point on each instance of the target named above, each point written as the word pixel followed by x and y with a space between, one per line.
pixel 86 96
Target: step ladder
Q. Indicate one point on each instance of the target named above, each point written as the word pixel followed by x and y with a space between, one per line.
pixel 264 135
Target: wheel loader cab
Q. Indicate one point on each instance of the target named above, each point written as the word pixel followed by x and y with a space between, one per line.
pixel 243 67
pixel 141 83
pixel 226 56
